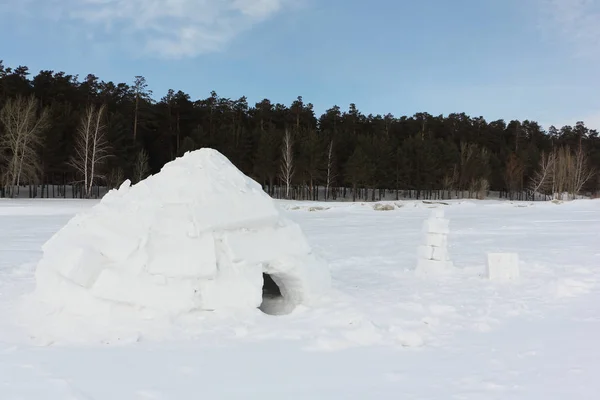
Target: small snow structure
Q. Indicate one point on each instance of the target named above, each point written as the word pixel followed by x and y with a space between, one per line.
pixel 503 266
pixel 433 255
pixel 199 235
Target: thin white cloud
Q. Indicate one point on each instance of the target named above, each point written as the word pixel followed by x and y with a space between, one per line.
pixel 165 28
pixel 576 22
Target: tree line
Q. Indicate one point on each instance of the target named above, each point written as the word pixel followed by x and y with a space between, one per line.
pixel 59 131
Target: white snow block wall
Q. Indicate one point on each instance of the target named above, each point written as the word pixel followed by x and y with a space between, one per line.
pixel 196 236
pixel 432 255
pixel 503 266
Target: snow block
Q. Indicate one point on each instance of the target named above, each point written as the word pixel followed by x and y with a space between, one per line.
pixel 441 226
pixel 196 236
pixel 174 219
pixel 440 254
pixel 179 296
pixel 266 244
pixel 425 252
pixel 437 213
pixel 82 266
pixel 436 240
pixel 503 266
pixel 181 255
pixel 433 255
pixel 116 245
pixel 234 286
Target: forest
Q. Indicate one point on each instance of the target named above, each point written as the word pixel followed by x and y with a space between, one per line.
pixel 62 134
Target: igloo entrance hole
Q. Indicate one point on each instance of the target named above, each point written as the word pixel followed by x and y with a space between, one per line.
pixel 275 299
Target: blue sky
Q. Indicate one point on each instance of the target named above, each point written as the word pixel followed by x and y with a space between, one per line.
pixel 510 59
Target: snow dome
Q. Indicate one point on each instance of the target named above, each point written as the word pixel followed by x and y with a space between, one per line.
pixel 199 235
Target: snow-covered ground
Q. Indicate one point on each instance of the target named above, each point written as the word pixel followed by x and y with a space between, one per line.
pixel 383 332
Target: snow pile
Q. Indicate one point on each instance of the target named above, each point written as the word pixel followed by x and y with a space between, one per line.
pixel 433 255
pixel 383 207
pixel 199 235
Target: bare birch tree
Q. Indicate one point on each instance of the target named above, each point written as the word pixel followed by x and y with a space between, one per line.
pixel 141 168
pixel 287 162
pixel 23 128
pixel 582 173
pixel 478 188
pixel 331 175
pixel 449 182
pixel 561 173
pixel 473 165
pixel 543 178
pixel 91 148
pixel 482 188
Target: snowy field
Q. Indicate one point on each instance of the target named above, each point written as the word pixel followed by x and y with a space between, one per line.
pixel 382 333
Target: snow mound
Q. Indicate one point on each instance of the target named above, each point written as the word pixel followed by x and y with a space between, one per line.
pixel 199 235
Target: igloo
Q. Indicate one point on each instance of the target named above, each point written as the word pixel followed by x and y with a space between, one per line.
pixel 199 235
